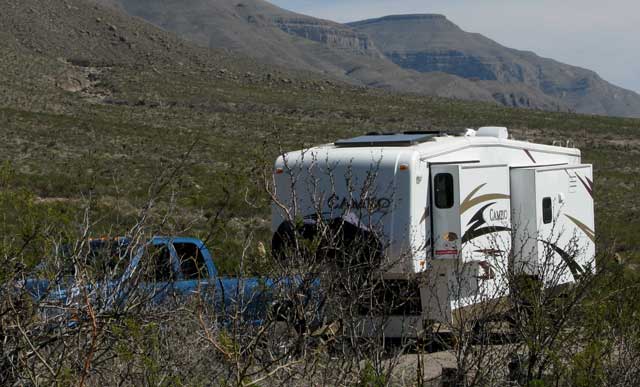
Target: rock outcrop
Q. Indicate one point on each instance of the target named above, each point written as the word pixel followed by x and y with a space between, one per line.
pixel 332 35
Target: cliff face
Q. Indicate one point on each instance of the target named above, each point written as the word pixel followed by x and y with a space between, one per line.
pixel 451 62
pixel 333 36
pixel 428 43
pixel 431 43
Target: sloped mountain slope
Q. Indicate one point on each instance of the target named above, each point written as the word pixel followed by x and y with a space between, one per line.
pixel 51 48
pixel 73 40
pixel 85 31
pixel 255 26
pixel 428 43
pixel 424 54
pixel 270 34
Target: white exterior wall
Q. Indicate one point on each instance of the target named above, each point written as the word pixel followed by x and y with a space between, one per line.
pixel 335 182
pixel 559 251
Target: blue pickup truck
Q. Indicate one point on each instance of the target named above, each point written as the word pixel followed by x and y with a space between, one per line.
pixel 162 270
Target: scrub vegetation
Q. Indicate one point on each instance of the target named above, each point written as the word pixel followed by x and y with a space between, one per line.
pixel 213 152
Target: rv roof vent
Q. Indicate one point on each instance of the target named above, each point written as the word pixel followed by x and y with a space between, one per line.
pixel 493 131
pixel 385 140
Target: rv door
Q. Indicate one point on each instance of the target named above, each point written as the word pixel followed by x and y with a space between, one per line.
pixel 470 211
pixel 445 209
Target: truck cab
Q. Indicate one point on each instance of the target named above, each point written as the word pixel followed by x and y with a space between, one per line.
pixel 162 271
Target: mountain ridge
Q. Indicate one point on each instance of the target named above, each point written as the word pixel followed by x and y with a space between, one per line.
pixel 361 53
pixel 431 42
pixel 394 17
pixel 416 53
pixel 270 34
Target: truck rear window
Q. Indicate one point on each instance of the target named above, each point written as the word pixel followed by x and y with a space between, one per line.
pixel 159 268
pixel 108 257
pixel 191 261
pixel 443 190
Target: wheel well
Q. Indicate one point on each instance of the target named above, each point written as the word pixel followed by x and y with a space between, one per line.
pixel 335 239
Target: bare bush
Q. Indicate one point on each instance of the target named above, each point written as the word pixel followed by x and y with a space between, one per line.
pixel 319 313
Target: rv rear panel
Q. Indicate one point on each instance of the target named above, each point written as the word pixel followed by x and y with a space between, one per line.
pixel 377 190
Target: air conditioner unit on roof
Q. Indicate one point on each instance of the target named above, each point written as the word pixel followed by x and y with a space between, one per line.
pixel 493 131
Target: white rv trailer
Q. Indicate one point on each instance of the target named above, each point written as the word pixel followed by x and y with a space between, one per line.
pixel 460 211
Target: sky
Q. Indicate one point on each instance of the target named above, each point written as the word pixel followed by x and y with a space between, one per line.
pixel 601 35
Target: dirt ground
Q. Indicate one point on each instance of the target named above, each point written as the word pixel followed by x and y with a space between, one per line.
pixel 406 370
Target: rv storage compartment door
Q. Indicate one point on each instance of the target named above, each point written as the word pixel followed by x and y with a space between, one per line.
pixel 553 222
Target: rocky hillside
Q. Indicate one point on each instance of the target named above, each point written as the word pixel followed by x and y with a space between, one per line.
pixel 253 25
pixel 429 43
pixel 75 46
pixel 50 49
pixel 424 54
pixel 270 34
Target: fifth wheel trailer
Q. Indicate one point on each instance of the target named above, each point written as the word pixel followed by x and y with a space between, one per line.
pixel 462 213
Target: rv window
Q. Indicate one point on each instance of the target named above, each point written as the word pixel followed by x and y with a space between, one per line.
pixel 547 210
pixel 443 190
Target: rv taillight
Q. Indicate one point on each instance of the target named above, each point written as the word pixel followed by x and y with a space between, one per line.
pixel 404 167
pixel 279 171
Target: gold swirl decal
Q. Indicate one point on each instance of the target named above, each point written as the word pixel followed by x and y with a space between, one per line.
pixel 470 201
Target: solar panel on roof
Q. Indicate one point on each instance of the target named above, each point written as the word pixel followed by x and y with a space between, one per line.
pixel 385 140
